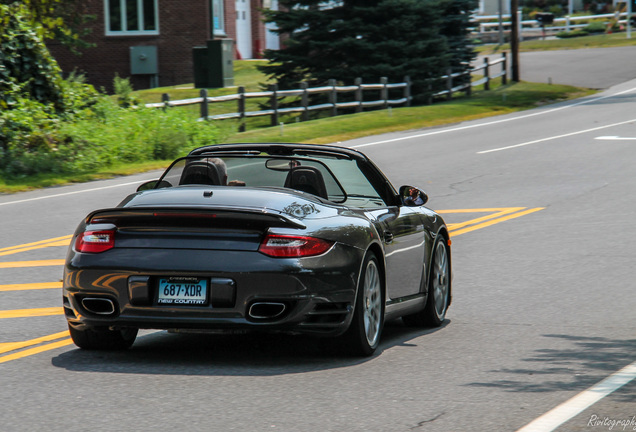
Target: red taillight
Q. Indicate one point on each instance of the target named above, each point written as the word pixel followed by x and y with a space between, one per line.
pixel 285 246
pixel 95 241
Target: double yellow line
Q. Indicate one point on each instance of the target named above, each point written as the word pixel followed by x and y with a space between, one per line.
pixel 57 241
pixel 497 215
pixel 16 350
pixel 31 286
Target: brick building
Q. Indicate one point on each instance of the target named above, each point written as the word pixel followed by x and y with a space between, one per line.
pixel 152 41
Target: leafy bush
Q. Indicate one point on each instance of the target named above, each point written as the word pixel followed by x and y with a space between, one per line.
pixel 52 125
pixel 575 33
pixel 97 138
pixel 123 90
pixel 595 27
pixel 29 127
pixel 26 66
pixel 77 95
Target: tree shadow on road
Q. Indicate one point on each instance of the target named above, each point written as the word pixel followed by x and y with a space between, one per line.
pixel 586 362
pixel 166 353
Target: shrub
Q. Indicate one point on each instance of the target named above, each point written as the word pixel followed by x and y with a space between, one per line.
pixel 595 27
pixel 123 90
pixel 26 66
pixel 575 33
pixel 98 137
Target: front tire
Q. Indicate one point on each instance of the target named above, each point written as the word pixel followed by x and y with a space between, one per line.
pixel 434 312
pixel 106 339
pixel 363 336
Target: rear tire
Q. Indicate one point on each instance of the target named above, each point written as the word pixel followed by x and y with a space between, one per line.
pixel 434 312
pixel 363 336
pixel 92 339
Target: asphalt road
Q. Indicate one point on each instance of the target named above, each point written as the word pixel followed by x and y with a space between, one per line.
pixel 542 209
pixel 598 68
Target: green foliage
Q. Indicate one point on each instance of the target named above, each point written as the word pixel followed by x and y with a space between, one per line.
pixel 596 27
pixel 53 19
pixel 571 34
pixel 26 67
pixel 28 126
pixel 530 7
pixel 455 29
pixel 50 125
pixel 100 136
pixel 77 95
pixel 34 99
pixel 123 90
pixel 369 39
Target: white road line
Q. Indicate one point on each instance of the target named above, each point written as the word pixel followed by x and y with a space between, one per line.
pixel 579 403
pixel 71 193
pixel 555 137
pixel 495 122
pixel 615 138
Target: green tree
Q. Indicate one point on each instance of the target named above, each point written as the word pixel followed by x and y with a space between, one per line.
pixel 26 66
pixel 53 19
pixel 33 95
pixel 455 29
pixel 368 39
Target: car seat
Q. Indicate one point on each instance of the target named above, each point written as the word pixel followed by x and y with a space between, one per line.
pixel 200 172
pixel 307 179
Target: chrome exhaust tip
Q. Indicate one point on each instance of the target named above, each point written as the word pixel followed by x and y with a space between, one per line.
pixel 266 310
pixel 99 306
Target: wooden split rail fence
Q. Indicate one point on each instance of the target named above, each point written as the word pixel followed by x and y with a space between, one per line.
pixel 331 90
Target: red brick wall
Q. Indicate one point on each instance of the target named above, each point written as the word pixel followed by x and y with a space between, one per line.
pixel 183 24
pixel 258 29
pixel 230 18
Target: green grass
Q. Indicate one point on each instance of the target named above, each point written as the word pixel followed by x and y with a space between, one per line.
pixel 592 41
pixel 49 180
pixel 501 100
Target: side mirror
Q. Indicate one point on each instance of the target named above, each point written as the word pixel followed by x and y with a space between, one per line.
pixel 153 184
pixel 411 196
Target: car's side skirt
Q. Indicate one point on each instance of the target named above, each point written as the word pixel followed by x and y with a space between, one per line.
pixel 404 306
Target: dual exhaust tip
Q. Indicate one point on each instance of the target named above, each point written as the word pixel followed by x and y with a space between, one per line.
pixel 266 310
pixel 258 310
pixel 98 305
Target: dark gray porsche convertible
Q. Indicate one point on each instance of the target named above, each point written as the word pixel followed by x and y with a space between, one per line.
pixel 292 238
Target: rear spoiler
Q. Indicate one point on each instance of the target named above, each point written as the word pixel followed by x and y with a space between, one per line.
pixel 125 216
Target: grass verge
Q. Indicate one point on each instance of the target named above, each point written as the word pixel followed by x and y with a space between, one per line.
pixel 50 180
pixel 592 41
pixel 501 100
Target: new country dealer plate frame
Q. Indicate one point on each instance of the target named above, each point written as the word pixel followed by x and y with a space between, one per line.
pixel 182 291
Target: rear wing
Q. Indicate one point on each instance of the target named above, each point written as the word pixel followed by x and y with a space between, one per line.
pixel 191 217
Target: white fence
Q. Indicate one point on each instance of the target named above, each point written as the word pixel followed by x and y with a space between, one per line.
pixel 273 95
pixel 567 23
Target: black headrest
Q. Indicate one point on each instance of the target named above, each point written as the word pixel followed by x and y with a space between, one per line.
pixel 200 172
pixel 307 179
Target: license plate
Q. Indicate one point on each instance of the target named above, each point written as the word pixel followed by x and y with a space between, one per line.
pixel 182 291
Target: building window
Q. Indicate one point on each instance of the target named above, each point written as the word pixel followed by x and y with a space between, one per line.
pixel 218 18
pixel 131 17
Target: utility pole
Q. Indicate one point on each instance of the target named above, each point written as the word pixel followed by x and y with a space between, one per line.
pixel 514 39
pixel 501 38
pixel 629 18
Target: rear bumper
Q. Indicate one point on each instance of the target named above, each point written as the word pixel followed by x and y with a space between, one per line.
pixel 316 294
